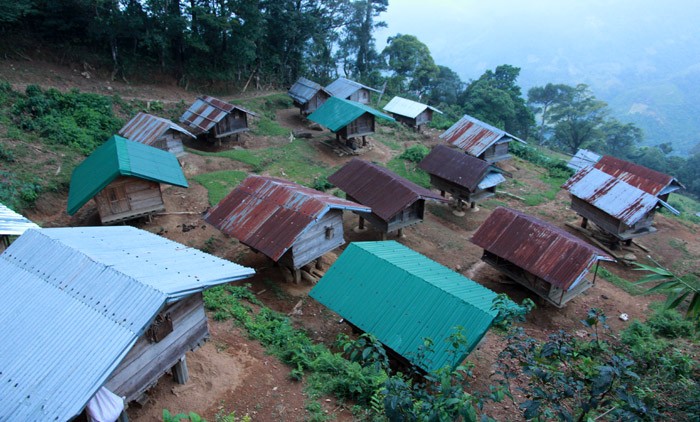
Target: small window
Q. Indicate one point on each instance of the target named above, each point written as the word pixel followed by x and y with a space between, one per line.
pixel 329 232
pixel 160 328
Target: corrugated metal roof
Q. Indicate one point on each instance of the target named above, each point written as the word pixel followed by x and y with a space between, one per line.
pixel 613 196
pixel 206 112
pixel 540 248
pixel 121 157
pixel 583 158
pixel 269 214
pixel 648 180
pixel 343 88
pixel 147 129
pixel 12 223
pixel 474 136
pixel 402 298
pixel 491 180
pixel 457 167
pixel 382 190
pixel 336 113
pixel 406 107
pixel 304 89
pixel 73 301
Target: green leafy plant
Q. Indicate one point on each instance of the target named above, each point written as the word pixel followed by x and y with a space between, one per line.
pixel 677 289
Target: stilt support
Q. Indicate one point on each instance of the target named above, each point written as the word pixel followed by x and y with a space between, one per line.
pixel 180 372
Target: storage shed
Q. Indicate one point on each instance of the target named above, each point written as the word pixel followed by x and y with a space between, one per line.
pixel 12 224
pixel 480 139
pixel 648 180
pixel 618 208
pixel 545 259
pixel 124 178
pixel 308 95
pixel 87 307
pixel 466 178
pixel 347 119
pixel 291 224
pixel 350 90
pixel 156 132
pixel 212 119
pixel 403 298
pixel 411 113
pixel 396 202
pixel 583 158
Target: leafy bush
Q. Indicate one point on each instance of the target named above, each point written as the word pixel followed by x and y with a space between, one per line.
pixel 670 324
pixel 415 154
pixel 322 184
pixel 6 154
pixel 555 168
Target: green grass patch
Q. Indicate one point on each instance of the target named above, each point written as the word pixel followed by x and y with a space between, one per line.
pixel 620 282
pixel 687 206
pixel 268 127
pixel 220 183
pixel 409 170
pixel 536 198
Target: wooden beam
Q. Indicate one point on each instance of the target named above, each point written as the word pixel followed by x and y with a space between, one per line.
pixel 180 372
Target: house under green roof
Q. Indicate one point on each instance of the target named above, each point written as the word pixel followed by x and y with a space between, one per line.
pixel 336 113
pixel 403 297
pixel 120 159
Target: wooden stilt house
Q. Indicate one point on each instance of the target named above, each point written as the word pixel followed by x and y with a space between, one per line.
pixel 648 180
pixel 308 95
pixel 124 178
pixel 156 132
pixel 466 178
pixel 91 307
pixel 348 120
pixel 411 113
pixel 396 203
pixel 480 139
pixel 350 90
pixel 289 223
pixel 402 298
pixel 12 224
pixel 213 120
pixel 545 259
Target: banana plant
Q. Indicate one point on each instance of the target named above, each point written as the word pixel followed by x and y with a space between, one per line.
pixel 676 289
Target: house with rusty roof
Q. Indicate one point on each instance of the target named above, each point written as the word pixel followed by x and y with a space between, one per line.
pixel 411 113
pixel 480 139
pixel 614 205
pixel 348 120
pixel 466 178
pixel 87 308
pixel 156 132
pixel 308 95
pixel 396 203
pixel 350 90
pixel 545 259
pixel 403 298
pixel 12 224
pixel 124 178
pixel 291 224
pixel 646 179
pixel 212 119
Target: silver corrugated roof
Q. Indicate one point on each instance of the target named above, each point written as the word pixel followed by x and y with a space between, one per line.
pixel 474 136
pixel 12 223
pixel 406 107
pixel 73 301
pixel 147 129
pixel 304 89
pixel 583 158
pixel 344 88
pixel 490 180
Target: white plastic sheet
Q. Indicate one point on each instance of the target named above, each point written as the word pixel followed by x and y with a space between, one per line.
pixel 104 406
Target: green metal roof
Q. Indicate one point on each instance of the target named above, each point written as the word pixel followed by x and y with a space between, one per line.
pixel 403 297
pixel 121 157
pixel 337 113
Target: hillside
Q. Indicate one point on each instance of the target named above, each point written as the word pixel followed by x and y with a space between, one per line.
pixel 234 373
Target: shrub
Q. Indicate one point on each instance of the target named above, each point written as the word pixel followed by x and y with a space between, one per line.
pixel 415 153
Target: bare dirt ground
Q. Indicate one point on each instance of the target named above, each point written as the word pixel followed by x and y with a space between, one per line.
pixel 232 373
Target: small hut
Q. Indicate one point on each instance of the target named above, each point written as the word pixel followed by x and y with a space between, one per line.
pixel 289 223
pixel 648 180
pixel 583 158
pixel 480 139
pixel 618 208
pixel 350 90
pixel 411 113
pixel 83 308
pixel 308 95
pixel 12 224
pixel 156 132
pixel 124 178
pixel 403 298
pixel 396 202
pixel 212 119
pixel 466 178
pixel 543 258
pixel 348 120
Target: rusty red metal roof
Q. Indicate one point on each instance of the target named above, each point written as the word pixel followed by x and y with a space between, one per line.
pixel 648 180
pixel 206 112
pixel 455 166
pixel 146 128
pixel 538 247
pixel 382 190
pixel 269 214
pixel 474 136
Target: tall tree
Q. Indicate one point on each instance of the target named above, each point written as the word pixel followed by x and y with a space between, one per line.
pixel 619 139
pixel 411 62
pixel 578 119
pixel 357 48
pixel 444 88
pixel 541 98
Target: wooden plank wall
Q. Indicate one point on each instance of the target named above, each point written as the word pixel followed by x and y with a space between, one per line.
pixel 143 196
pixel 173 142
pixel 147 362
pixel 313 243
pixel 602 219
pixel 234 122
pixel 409 216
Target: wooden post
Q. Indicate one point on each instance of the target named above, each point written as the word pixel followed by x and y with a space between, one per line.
pixel 400 233
pixel 123 417
pixel 364 141
pixel 296 273
pixel 584 222
pixel 383 235
pixel 628 242
pixel 180 372
pixel 362 223
pixel 442 193
pixel 473 205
